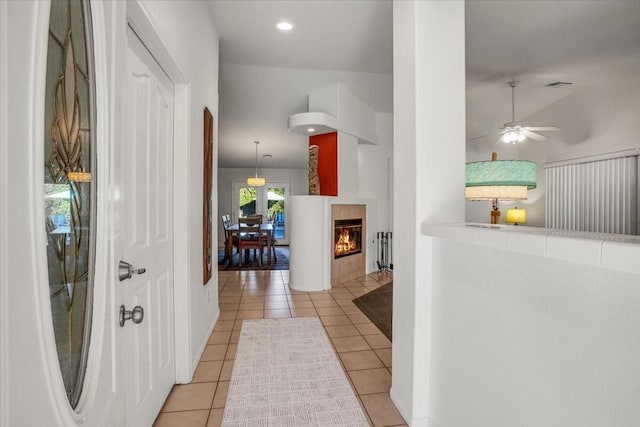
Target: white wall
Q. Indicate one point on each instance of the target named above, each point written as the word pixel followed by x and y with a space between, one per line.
pixel 347 165
pixel 429 105
pixel 523 340
pixel 374 170
pixel 4 224
pixel 297 179
pixel 338 101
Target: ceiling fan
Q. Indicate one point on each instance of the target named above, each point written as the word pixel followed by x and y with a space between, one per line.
pixel 513 132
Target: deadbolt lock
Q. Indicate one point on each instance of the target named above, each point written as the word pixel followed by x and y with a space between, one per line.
pixel 126 270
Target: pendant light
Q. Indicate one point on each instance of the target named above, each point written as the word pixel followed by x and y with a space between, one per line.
pixel 256 181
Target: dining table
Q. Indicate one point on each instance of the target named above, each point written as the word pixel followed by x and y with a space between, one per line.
pixel 234 229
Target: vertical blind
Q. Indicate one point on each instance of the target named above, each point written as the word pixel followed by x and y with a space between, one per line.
pixel 599 196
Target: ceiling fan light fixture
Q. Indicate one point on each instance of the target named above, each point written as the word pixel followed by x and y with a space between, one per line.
pixel 284 26
pixel 513 136
pixel 514 132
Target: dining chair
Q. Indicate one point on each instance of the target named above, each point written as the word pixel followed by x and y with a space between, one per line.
pixel 228 245
pixel 269 239
pixel 250 237
pixel 251 220
pixel 256 216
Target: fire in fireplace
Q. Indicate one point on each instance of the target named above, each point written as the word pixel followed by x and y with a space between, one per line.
pixel 348 237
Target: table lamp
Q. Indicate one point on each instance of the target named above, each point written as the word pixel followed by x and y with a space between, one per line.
pixel 497 180
pixel 516 216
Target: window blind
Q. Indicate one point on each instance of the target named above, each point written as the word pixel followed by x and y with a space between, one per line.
pixel 599 196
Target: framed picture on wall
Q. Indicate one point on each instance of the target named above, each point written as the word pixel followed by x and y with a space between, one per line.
pixel 207 202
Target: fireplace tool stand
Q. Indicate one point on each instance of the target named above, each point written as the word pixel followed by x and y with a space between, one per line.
pixel 385 251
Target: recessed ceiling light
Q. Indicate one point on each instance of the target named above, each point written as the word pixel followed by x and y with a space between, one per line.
pixel 284 26
pixel 310 129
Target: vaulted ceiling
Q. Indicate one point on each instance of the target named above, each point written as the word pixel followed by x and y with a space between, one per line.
pixel 541 42
pixel 535 42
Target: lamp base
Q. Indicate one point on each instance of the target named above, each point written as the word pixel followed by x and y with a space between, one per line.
pixel 495 216
pixel 495 212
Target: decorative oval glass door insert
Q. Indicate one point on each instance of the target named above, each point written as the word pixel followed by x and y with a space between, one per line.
pixel 70 187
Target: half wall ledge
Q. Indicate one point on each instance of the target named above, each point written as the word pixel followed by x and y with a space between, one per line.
pixel 612 251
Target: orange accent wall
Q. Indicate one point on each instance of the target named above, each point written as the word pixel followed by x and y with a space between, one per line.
pixel 327 162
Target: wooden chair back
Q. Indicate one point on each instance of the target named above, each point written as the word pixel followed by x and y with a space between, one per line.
pixel 251 220
pixel 250 237
pixel 226 221
pixel 251 229
pixel 256 216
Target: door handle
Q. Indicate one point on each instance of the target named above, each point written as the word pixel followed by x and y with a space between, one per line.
pixel 136 315
pixel 126 270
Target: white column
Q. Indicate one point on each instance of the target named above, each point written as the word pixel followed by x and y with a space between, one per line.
pixel 347 166
pixel 310 234
pixel 429 156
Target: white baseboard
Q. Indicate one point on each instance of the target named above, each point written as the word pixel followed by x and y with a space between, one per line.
pixel 203 344
pixel 406 413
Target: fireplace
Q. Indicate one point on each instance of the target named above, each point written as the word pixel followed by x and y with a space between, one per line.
pixel 348 237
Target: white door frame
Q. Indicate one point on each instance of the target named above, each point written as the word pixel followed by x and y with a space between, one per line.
pixel 145 27
pixel 287 199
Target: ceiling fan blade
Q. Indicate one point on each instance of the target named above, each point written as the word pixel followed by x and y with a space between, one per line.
pixel 475 138
pixel 543 128
pixel 534 136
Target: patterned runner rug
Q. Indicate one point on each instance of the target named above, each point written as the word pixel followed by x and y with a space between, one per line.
pixel 287 374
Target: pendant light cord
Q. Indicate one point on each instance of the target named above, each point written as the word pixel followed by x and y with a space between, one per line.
pixel 256 142
pixel 513 104
pixel 512 83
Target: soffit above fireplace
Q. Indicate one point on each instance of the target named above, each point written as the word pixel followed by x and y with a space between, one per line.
pixel 336 108
pixel 324 123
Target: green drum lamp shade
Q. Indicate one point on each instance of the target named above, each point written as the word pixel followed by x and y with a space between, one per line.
pixel 499 180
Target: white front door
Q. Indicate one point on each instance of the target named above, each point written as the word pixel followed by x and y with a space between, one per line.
pixel 147 166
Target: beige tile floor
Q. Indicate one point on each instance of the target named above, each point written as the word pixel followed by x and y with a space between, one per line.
pixel 364 352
